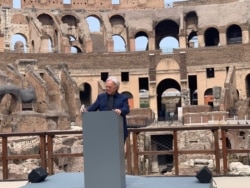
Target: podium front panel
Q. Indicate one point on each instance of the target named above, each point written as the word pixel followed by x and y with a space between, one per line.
pixel 103 147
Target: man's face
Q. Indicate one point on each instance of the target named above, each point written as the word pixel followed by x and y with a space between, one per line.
pixel 111 88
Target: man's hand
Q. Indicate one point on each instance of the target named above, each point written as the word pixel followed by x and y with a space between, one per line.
pixel 83 109
pixel 118 111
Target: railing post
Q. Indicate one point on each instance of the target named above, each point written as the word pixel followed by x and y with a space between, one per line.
pixel 176 159
pixel 217 151
pixel 224 150
pixel 128 155
pixel 43 151
pixel 135 153
pixel 5 157
pixel 50 153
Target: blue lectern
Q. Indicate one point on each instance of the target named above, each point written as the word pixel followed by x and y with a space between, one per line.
pixel 103 147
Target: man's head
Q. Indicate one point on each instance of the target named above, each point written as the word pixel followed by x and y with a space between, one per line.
pixel 112 85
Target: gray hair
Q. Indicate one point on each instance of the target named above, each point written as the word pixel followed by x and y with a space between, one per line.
pixel 114 80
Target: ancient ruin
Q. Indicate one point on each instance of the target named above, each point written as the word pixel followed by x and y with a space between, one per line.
pixel 62 63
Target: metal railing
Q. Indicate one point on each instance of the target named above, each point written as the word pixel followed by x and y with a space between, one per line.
pixel 46 155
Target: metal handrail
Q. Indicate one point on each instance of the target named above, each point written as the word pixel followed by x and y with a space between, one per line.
pixel 46 154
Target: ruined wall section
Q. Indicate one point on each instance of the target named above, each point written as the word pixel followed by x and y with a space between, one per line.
pixel 84 35
pixel 19 24
pixel 15 75
pixel 55 91
pixel 50 110
pixel 230 90
pixel 28 120
pixel 4 79
pixel 6 3
pixel 35 33
pixel 71 93
pixel 94 4
pixel 39 84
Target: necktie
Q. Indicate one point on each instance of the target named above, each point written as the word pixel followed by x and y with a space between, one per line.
pixel 110 102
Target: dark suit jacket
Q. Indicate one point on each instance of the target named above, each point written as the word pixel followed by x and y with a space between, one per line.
pixel 120 102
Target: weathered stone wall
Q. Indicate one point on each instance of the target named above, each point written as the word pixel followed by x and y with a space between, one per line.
pixel 202 2
pixel 95 4
pixel 38 101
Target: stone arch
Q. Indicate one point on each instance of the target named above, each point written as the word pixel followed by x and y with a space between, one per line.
pixel 208 97
pixel 10 99
pixel 191 20
pixel 45 19
pixel 118 42
pixel 119 28
pixel 165 102
pixel 234 34
pixel 85 93
pixel 116 19
pixel 212 37
pixel 20 42
pixel 166 28
pixel 142 33
pixel 96 32
pixel 23 35
pixel 98 18
pixel 130 98
pixel 69 28
pixel 49 32
pixel 75 44
pixel 70 20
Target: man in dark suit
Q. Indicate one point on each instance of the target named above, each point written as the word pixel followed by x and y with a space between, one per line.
pixel 111 100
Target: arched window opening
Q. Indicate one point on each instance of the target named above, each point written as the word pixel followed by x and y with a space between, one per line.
pixel 167 44
pixel 18 43
pixel 119 44
pixel 212 37
pixel 94 24
pixel 193 40
pixel 141 43
pixel 234 35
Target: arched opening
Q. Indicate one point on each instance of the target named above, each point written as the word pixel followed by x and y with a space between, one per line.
pixel 208 97
pixel 167 44
pixel 212 37
pixel 234 35
pixel 119 33
pixel 167 35
pixel 85 94
pixel 141 41
pixel 94 24
pixel 168 99
pixel 193 40
pixel 119 43
pixel 130 99
pixel 18 43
